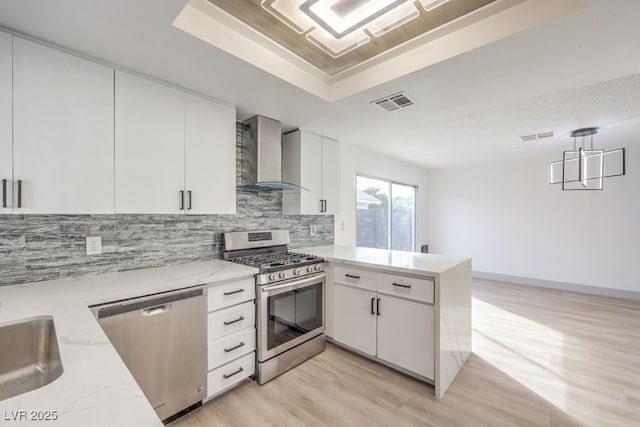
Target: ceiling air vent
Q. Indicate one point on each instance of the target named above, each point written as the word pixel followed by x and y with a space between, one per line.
pixel 536 136
pixel 394 102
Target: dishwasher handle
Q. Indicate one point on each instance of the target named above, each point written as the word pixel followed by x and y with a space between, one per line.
pixel 158 309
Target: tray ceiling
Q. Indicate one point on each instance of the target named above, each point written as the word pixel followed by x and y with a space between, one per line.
pixel 248 31
pixel 257 16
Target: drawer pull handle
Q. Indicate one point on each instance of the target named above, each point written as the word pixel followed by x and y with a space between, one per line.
pixel 373 301
pixel 353 276
pixel 235 347
pixel 4 193
pixel 227 376
pixel 378 307
pixel 181 200
pixel 231 322
pixel 401 285
pixel 234 292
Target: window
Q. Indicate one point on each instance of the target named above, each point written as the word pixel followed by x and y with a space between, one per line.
pixel 385 214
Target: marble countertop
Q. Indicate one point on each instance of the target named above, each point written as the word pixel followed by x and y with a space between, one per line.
pixel 95 388
pixel 398 261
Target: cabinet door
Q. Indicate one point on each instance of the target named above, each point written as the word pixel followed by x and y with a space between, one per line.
pixel 331 175
pixel 149 159
pixel 6 122
pixel 406 335
pixel 63 131
pixel 353 322
pixel 310 173
pixel 210 157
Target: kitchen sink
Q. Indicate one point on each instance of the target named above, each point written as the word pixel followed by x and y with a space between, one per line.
pixel 30 357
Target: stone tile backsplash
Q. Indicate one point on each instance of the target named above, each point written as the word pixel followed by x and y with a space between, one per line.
pixel 46 247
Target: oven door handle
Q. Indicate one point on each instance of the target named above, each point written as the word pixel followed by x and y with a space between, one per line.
pixel 294 285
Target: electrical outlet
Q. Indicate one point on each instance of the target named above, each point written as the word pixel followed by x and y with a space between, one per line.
pixel 94 245
pixel 313 230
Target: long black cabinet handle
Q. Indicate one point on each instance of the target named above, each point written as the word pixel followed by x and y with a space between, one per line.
pixel 401 285
pixel 4 193
pixel 378 307
pixel 235 347
pixel 226 376
pixel 181 200
pixel 19 193
pixel 231 322
pixel 353 276
pixel 234 292
pixel 373 301
pixel 189 199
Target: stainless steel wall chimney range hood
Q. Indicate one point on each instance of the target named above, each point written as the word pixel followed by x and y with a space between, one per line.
pixel 261 156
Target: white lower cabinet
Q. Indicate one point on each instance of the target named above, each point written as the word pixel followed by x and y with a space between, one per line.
pixel 231 346
pixel 354 324
pixel 406 335
pixel 394 323
pixel 229 320
pixel 231 334
pixel 220 379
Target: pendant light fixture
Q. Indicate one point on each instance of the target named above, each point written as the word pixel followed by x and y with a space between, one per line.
pixel 585 167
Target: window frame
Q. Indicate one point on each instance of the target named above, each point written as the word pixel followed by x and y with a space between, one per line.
pixel 390 233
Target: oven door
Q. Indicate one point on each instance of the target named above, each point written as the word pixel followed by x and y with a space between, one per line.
pixel 290 313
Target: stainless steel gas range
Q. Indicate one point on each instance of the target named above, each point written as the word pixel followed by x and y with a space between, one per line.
pixel 290 299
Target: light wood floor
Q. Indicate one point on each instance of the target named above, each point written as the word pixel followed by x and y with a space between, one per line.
pixel 540 358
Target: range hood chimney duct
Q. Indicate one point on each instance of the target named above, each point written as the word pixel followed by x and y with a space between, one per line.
pixel 261 156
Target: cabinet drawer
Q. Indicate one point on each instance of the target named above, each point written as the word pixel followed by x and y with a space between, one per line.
pixel 231 347
pixel 232 373
pixel 227 294
pixel 229 320
pixel 408 287
pixel 355 277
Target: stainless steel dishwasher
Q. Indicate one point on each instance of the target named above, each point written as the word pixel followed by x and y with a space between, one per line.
pixel 162 339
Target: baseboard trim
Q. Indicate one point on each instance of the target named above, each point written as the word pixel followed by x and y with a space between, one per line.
pixel 564 286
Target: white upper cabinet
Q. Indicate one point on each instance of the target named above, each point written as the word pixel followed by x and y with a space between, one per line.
pixel 175 152
pixel 149 143
pixel 62 132
pixel 331 176
pixel 313 162
pixel 210 157
pixel 6 123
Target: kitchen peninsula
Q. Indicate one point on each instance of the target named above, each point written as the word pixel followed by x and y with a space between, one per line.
pixel 410 311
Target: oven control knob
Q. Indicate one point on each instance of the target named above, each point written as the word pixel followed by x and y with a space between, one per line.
pixel 296 271
pixel 317 267
pixel 310 269
pixel 282 275
pixel 272 276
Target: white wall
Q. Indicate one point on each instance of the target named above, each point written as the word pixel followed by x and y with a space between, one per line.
pixel 512 222
pixel 355 160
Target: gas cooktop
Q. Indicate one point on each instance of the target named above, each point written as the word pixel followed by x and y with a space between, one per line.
pixel 267 251
pixel 277 261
